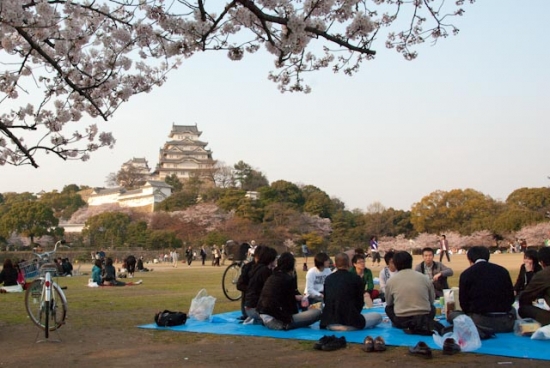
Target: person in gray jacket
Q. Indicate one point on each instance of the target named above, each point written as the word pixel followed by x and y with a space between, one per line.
pixel 436 272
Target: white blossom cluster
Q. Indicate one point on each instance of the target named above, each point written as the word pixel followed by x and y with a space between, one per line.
pixel 65 62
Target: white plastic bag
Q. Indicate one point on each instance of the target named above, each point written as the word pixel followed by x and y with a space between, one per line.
pixel 543 333
pixel 464 332
pixel 202 306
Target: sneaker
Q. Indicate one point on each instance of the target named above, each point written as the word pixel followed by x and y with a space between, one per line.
pixel 337 343
pixel 322 341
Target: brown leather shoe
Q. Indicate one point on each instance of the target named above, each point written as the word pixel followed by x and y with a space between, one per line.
pixel 368 345
pixel 422 350
pixel 450 347
pixel 379 344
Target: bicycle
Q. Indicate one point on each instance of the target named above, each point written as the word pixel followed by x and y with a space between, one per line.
pixel 45 301
pixel 229 281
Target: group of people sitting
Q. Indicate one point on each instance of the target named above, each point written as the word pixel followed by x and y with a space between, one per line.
pixel 104 273
pixel 336 298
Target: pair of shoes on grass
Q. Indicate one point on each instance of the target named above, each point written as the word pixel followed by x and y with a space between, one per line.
pixel 378 344
pixel 450 347
pixel 330 343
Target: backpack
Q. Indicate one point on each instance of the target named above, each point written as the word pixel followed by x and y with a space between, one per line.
pixel 168 318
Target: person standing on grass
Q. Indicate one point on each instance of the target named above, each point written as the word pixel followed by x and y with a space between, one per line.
pixel 189 255
pixel 203 254
pixel 444 248
pixel 375 251
pixel 175 259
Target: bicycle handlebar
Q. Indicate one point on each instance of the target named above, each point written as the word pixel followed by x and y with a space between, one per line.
pixel 45 256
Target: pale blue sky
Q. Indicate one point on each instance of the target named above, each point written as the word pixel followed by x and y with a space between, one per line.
pixel 471 112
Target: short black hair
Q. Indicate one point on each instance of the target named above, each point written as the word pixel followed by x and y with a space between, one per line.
pixel 402 260
pixel 388 256
pixel 320 259
pixel 427 249
pixel 357 257
pixel 478 252
pixel 286 262
pixel 544 256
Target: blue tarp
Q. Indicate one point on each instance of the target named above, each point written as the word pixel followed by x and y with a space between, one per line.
pixel 505 344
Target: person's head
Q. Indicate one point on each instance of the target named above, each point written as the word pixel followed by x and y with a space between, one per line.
pixel 402 260
pixel 443 236
pixel 544 256
pixel 98 263
pixel 358 261
pixel 478 252
pixel 531 256
pixel 321 261
pixel 109 262
pixel 428 256
pixel 388 258
pixel 341 261
pixel 258 252
pixel 8 264
pixel 359 251
pixel 286 262
pixel 267 256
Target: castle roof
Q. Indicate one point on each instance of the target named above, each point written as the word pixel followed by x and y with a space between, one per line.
pixel 185 129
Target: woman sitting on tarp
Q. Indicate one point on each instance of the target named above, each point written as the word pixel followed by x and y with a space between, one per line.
pixel 8 276
pixel 278 304
pixel 109 276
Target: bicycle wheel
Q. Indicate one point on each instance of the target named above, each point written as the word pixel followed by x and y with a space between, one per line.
pixel 51 316
pixel 229 282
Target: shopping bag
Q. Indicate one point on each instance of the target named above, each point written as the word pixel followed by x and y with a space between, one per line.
pixel 202 306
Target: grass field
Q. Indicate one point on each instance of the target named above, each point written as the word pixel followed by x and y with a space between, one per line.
pixel 102 322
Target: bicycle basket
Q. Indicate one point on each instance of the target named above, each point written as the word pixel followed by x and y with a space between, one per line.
pixel 29 269
pixel 48 267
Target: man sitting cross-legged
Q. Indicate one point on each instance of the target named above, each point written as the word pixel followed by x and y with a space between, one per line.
pixel 539 287
pixel 437 272
pixel 486 293
pixel 409 297
pixel 344 300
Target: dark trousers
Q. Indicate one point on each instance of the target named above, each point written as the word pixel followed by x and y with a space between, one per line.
pixel 498 322
pixel 446 252
pixel 404 322
pixel 540 315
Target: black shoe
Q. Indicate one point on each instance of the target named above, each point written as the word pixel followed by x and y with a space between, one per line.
pixel 379 344
pixel 322 341
pixel 421 349
pixel 450 347
pixel 337 343
pixel 368 345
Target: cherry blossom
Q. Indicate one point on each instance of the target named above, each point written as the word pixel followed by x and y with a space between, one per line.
pixel 72 61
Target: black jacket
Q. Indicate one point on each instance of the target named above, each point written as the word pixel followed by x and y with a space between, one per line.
pixel 258 276
pixel 343 300
pixel 278 297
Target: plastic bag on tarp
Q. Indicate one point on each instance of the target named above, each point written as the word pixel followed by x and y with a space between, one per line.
pixel 202 306
pixel 464 332
pixel 543 333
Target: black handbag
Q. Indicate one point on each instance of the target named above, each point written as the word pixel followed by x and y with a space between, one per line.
pixel 168 318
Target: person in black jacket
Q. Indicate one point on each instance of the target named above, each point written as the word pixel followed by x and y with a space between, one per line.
pixel 486 293
pixel 278 304
pixel 529 267
pixel 539 287
pixel 258 275
pixel 344 299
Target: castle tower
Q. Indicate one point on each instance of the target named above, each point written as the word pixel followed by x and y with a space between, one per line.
pixel 185 155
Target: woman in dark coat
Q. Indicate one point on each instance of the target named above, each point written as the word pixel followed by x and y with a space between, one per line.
pixel 529 267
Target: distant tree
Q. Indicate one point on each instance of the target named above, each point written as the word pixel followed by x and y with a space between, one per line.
pixel 162 239
pixel 71 188
pixel 249 178
pixel 63 204
pixel 137 234
pixel 107 229
pixel 530 199
pixel 31 219
pixel 283 191
pixel 460 210
pixel 317 202
pixel 223 175
pixel 129 177
pixel 174 182
pixel 178 201
pixel 231 198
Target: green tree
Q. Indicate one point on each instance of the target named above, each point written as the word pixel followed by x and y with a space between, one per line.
pixel 464 211
pixel 231 198
pixel 162 239
pixel 63 204
pixel 317 202
pixel 178 201
pixel 248 178
pixel 530 199
pixel 174 182
pixel 108 229
pixel 30 218
pixel 282 191
pixel 137 234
